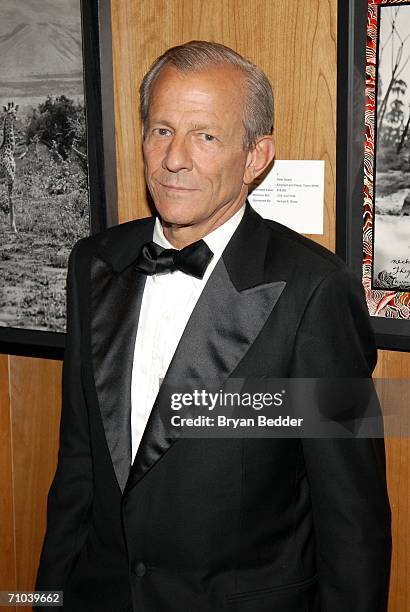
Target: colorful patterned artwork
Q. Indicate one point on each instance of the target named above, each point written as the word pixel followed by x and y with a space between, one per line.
pixel 386 215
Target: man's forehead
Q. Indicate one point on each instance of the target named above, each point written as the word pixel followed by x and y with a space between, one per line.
pixel 218 88
pixel 223 77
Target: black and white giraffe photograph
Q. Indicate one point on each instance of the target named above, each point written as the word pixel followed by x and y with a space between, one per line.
pixel 391 251
pixel 44 196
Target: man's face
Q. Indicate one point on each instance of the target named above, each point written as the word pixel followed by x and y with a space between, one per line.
pixel 195 162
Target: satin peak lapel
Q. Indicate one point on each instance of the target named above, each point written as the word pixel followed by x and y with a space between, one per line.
pixel 116 296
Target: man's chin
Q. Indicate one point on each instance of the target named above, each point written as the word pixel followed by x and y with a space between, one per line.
pixel 176 214
pixel 175 221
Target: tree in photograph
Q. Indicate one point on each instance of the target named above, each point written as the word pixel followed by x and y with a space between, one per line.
pixel 403 135
pixel 396 115
pixel 79 140
pixel 396 43
pixel 57 123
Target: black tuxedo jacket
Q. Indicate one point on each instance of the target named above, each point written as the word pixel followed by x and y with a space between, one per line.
pixel 201 525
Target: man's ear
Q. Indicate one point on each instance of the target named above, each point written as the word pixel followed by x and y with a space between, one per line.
pixel 259 158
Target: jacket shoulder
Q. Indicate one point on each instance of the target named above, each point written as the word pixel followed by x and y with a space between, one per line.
pixel 302 254
pixel 113 234
pixel 118 245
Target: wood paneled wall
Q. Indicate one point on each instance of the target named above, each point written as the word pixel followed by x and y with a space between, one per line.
pixel 30 396
pixel 295 43
pixel 7 527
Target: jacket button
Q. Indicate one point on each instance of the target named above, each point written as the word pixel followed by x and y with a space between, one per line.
pixel 140 569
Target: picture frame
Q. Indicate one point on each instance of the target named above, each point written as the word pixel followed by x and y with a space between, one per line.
pixel 101 160
pixel 357 151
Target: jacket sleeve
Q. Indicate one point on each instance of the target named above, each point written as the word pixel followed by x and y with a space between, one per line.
pixel 347 477
pixel 70 495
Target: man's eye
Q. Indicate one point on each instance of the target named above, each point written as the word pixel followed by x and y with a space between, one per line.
pixel 208 137
pixel 161 132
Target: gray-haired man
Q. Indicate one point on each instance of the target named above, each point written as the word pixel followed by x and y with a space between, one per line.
pixel 141 518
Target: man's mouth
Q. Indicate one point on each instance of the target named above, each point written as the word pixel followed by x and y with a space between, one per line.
pixel 178 188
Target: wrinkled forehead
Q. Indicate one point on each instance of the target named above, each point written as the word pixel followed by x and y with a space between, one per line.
pixel 222 76
pixel 220 88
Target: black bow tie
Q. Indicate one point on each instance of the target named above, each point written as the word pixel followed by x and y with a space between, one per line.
pixel 192 259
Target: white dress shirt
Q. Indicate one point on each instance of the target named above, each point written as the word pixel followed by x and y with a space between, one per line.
pixel 167 304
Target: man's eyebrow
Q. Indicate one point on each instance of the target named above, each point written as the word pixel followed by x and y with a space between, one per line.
pixel 193 126
pixel 161 122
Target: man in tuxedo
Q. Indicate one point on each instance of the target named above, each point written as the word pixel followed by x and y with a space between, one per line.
pixel 141 517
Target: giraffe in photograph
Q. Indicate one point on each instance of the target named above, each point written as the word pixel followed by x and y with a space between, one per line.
pixel 7 162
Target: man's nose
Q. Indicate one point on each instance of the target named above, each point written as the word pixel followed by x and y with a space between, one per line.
pixel 177 156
